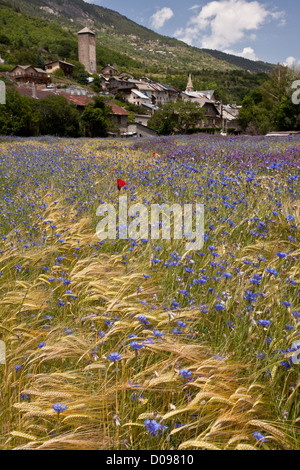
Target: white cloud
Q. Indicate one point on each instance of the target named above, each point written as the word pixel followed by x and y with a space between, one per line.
pixel 291 62
pixel 247 53
pixel 194 7
pixel 160 17
pixel 220 24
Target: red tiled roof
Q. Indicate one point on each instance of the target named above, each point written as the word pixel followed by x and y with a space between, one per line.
pixel 78 100
pixel 39 93
pixel 117 109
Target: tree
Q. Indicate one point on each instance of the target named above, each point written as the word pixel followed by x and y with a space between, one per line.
pixel 40 62
pixel 58 117
pixel 95 119
pixel 270 106
pixel 19 116
pixel 96 86
pixel 82 77
pixel 176 117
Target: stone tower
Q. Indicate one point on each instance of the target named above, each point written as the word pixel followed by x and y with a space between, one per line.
pixel 87 50
pixel 189 87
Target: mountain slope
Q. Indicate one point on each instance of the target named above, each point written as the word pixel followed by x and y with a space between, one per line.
pixel 118 33
pixel 246 64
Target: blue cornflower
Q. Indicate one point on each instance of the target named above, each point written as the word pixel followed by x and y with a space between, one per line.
pixel 250 296
pixel 177 331
pixel 132 335
pixel 227 275
pixel 220 306
pixel 153 426
pixel 59 408
pixel 272 271
pixel 286 304
pixel 185 373
pixel 259 437
pixel 41 345
pixel 143 319
pixel 264 323
pixel 135 345
pixel 114 356
pixel 158 333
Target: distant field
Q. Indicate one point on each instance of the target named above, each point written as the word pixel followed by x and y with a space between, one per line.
pixel 141 344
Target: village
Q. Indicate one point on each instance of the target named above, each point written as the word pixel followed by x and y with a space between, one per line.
pixel 144 93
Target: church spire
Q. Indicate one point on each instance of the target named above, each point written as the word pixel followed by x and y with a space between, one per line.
pixel 189 87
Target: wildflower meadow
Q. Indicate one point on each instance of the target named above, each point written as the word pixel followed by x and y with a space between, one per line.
pixel 140 344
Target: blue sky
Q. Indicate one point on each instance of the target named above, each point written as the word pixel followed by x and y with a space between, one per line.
pixel 259 30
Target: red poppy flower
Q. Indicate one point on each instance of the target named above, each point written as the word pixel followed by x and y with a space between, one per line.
pixel 120 184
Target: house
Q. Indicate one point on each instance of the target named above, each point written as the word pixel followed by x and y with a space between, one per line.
pixel 138 98
pixel 210 94
pixel 34 92
pixel 142 119
pixel 109 71
pixel 29 74
pixel 126 75
pixel 67 68
pixel 80 101
pixel 211 112
pixel 150 108
pixel 116 84
pixel 230 116
pixel 139 130
pixel 119 117
pixel 158 93
pixel 174 93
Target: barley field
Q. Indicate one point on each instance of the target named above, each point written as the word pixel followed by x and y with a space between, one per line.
pixel 141 344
